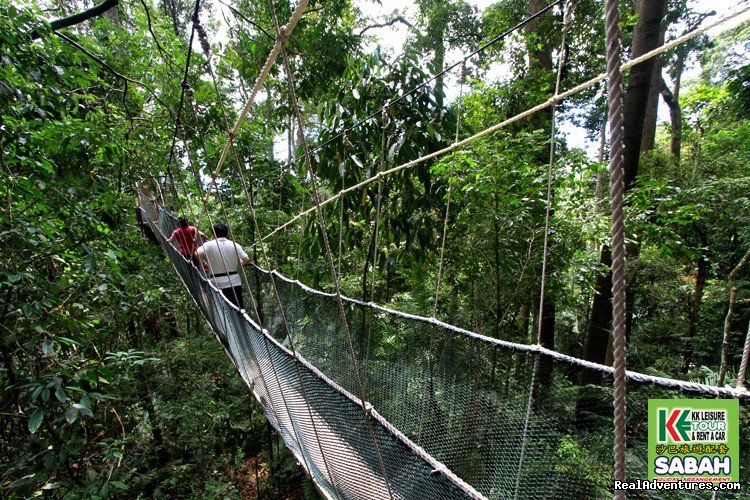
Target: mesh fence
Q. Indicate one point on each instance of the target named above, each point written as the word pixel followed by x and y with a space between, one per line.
pixel 454 414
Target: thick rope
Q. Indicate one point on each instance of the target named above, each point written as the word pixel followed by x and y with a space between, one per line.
pixel 190 95
pixel 617 194
pixel 329 259
pixel 248 195
pixel 378 206
pixel 504 345
pixel 520 116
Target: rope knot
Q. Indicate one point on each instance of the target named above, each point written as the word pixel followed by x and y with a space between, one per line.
pixel 282 36
pixel 203 38
pixel 189 93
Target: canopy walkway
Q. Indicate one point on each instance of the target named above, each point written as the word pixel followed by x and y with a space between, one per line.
pixel 376 403
pixel 447 423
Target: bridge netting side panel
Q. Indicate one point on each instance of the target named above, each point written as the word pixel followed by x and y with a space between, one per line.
pixel 469 403
pixel 320 422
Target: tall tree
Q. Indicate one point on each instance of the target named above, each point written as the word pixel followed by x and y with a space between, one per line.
pixel 646 37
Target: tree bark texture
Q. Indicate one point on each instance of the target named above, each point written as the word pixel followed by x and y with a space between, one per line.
pixel 645 38
pixel 675 120
pixel 728 319
pixel 701 275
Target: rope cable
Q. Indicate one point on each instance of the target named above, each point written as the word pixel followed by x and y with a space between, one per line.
pixel 520 116
pixel 448 203
pixel 283 36
pixel 567 19
pixel 187 91
pixel 744 362
pixel 248 195
pixel 329 258
pixel 617 193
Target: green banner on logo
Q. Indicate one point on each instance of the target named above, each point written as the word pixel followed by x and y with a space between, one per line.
pixel 693 440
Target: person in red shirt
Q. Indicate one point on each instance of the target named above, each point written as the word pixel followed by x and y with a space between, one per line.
pixel 186 240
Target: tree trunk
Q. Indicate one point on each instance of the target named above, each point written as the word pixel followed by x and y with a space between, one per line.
pixel 652 107
pixel 645 38
pixel 701 274
pixel 675 120
pixel 728 319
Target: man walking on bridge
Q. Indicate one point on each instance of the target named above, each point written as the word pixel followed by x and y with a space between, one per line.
pixel 222 258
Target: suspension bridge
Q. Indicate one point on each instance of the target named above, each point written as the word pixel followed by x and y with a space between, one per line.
pixel 436 411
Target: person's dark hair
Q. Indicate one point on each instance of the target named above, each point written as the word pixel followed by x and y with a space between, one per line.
pixel 183 222
pixel 221 230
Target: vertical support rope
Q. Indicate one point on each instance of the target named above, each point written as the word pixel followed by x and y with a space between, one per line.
pixel 567 8
pixel 248 195
pixel 329 260
pixel 378 206
pixel 617 194
pixel 448 203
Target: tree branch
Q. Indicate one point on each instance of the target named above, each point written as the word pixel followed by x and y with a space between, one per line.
pixel 397 19
pixel 242 16
pixel 96 10
pixel 114 72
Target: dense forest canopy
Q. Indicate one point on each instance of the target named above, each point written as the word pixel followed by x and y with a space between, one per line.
pixel 110 381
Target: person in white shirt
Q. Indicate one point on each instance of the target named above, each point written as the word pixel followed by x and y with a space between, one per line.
pixel 222 258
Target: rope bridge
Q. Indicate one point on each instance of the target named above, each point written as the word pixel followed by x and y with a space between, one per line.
pixel 447 422
pixel 376 403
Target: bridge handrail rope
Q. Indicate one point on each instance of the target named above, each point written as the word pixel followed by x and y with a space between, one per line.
pixel 329 257
pixel 505 345
pixel 556 99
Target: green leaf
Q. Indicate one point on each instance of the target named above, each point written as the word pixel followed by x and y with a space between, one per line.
pixel 60 395
pixel 36 420
pixel 37 392
pixel 119 485
pixel 84 411
pixel 91 263
pixel 28 309
pixel 71 414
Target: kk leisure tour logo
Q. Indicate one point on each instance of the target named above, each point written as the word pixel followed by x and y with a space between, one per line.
pixel 693 440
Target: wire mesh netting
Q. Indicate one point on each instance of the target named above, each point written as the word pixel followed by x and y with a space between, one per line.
pixel 453 414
